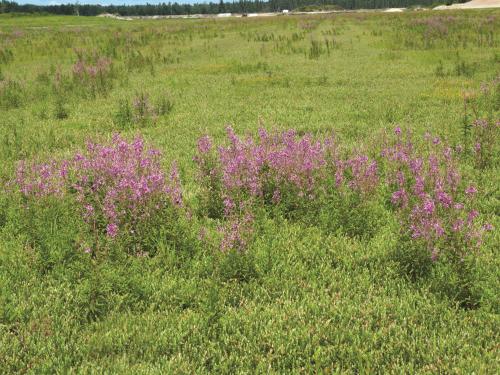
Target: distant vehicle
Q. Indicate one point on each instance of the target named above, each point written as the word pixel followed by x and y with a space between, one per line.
pixel 285 11
pixel 224 15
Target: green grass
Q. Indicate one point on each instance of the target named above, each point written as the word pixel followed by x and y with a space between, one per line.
pixel 302 299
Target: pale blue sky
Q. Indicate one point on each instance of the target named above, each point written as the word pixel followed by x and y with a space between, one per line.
pixel 109 2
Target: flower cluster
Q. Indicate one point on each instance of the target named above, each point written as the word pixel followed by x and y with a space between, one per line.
pixel 116 185
pixel 83 70
pixel 432 202
pixel 275 165
pixel 42 179
pixel 236 232
pixel 124 183
pixel 95 76
pixel 120 185
pixel 278 169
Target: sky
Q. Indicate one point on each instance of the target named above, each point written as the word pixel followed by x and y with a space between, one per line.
pixel 106 2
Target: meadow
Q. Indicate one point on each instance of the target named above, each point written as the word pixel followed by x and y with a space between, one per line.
pixel 293 194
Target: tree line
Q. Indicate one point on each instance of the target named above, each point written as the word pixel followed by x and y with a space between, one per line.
pixel 240 6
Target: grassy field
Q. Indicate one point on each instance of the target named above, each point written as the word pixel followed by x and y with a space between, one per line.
pixel 307 294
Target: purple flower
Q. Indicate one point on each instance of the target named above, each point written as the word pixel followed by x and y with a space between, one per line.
pixel 229 205
pixel 444 198
pixel 114 184
pixel 89 211
pixel 457 225
pixel 447 152
pixel 419 187
pixel 399 198
pixel 429 206
pixel 438 229
pixel 488 227
pixel 112 230
pixel 276 196
pixel 434 180
pixel 434 254
pixel 236 233
pixel 480 123
pixel 471 190
pixel 202 235
pixel 471 216
pixel 416 165
pixel 204 144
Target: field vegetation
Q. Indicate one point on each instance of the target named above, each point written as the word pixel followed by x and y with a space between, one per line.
pixel 306 194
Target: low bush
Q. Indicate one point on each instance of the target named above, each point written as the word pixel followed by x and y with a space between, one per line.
pixel 436 207
pixel 289 175
pixel 93 75
pixel 481 125
pixel 12 94
pixel 142 111
pixel 124 197
pixel 119 188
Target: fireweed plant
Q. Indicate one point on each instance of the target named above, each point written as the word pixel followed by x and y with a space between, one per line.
pixel 481 124
pixel 93 75
pixel 436 208
pixel 123 193
pixel 280 172
pixel 120 188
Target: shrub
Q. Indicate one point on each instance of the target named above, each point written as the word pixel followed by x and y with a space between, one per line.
pixel 282 172
pixel 60 109
pixel 93 74
pixel 142 112
pixel 164 105
pixel 118 187
pixel 245 172
pixel 481 124
pixel 52 228
pixel 11 94
pixel 123 115
pixel 437 209
pixel 6 55
pixel 485 136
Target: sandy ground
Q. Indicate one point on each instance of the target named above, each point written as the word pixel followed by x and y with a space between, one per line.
pixel 474 4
